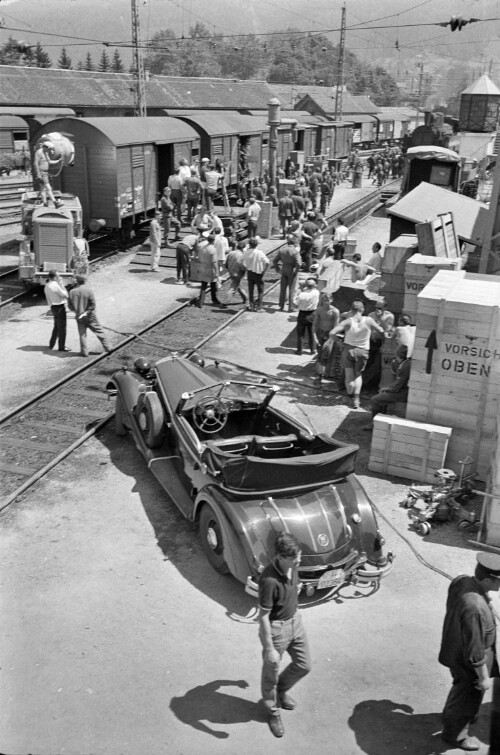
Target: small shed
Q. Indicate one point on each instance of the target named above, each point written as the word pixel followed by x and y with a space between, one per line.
pixel 121 164
pixel 480 106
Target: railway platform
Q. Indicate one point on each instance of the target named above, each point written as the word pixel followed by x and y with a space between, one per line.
pixel 128 297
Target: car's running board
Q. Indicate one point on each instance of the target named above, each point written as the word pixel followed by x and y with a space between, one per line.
pixel 164 470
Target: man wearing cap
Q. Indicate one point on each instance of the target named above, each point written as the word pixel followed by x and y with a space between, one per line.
pixel 57 296
pixel 256 262
pixel 82 302
pixel 306 301
pixel 167 216
pixel 253 211
pixel 194 189
pixel 468 648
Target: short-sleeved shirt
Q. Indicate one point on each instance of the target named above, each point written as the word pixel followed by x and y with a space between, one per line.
pixel 277 593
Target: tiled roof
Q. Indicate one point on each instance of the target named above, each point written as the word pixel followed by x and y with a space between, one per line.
pixel 49 87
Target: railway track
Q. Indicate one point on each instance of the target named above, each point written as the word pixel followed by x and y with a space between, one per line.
pixel 37 435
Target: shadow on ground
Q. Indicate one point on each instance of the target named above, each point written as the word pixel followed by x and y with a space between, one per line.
pixel 385 727
pixel 207 703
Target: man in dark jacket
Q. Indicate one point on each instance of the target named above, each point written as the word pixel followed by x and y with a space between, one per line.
pixel 82 302
pixel 397 391
pixel 468 648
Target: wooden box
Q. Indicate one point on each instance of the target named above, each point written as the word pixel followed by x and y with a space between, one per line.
pixel 397 252
pixel 455 373
pixel 265 222
pixel 392 279
pixel 437 237
pixel 403 448
pixel 419 270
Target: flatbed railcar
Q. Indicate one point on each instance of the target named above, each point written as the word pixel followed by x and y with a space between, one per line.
pixel 121 166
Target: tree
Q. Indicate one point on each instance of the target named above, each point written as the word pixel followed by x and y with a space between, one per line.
pixel 64 60
pixel 165 55
pixel 89 64
pixel 104 64
pixel 40 57
pixel 117 63
pixel 10 54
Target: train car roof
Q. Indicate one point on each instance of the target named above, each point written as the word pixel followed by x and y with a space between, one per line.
pixel 123 131
pixel 224 123
pixel 431 152
pixel 13 122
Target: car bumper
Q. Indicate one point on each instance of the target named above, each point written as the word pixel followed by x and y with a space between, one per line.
pixel 357 573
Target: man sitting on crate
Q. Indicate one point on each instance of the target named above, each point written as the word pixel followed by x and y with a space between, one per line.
pixel 397 391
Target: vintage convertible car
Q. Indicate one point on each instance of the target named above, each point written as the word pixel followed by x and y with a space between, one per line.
pixel 245 471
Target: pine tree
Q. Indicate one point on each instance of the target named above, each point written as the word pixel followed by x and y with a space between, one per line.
pixel 41 58
pixel 64 60
pixel 89 64
pixel 117 64
pixel 104 64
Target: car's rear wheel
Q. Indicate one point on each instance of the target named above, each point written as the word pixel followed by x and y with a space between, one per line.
pixel 211 539
pixel 150 419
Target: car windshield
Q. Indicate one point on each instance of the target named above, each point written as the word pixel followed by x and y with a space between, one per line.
pixel 246 393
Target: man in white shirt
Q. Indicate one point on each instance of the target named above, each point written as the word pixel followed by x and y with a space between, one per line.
pixel 340 239
pixel 253 212
pixel 57 296
pixel 256 263
pixel 222 247
pixel 306 301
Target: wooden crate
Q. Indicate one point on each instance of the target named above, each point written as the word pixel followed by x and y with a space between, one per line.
pixel 419 270
pixel 408 449
pixel 397 252
pixel 392 280
pixel 455 374
pixel 437 237
pixel 265 222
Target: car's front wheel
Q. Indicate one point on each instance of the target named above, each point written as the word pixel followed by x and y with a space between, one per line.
pixel 211 539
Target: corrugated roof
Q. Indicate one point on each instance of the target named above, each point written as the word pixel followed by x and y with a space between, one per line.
pixel 483 85
pixel 122 131
pixel 427 201
pixel 50 86
pixel 394 113
pixel 13 122
pixel 222 123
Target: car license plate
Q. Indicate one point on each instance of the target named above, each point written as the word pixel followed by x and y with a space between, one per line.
pixel 331 579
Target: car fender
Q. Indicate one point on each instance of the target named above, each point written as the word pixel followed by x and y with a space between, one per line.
pixel 370 539
pixel 237 553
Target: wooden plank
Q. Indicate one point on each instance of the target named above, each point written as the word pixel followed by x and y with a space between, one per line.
pixel 17 469
pixel 9 440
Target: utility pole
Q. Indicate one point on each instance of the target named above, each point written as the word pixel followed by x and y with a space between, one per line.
pixel 340 70
pixel 420 82
pixel 139 77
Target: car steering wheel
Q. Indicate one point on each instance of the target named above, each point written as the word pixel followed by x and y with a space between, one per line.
pixel 210 414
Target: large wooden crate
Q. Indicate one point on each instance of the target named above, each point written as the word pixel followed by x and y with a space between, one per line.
pixel 491 519
pixel 392 279
pixel 419 270
pixel 403 448
pixel 437 237
pixel 455 374
pixel 265 221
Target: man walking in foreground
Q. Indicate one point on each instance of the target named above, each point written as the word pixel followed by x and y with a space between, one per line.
pixel 468 648
pixel 82 302
pixel 57 296
pixel 280 630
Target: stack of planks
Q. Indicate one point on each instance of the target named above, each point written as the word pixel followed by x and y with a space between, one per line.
pixel 392 283
pixel 414 450
pixel 455 373
pixel 419 270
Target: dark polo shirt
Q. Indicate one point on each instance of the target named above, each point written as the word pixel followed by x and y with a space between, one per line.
pixel 277 593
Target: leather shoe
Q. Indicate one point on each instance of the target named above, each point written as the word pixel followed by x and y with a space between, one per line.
pixel 276 725
pixel 469 744
pixel 286 701
pixel 66 348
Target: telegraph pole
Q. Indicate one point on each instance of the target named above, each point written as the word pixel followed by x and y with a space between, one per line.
pixel 340 70
pixel 139 77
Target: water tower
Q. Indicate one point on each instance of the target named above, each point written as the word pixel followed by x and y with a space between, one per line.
pixel 479 120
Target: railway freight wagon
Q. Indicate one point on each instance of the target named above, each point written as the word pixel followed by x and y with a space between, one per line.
pixel 231 140
pixel 121 165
